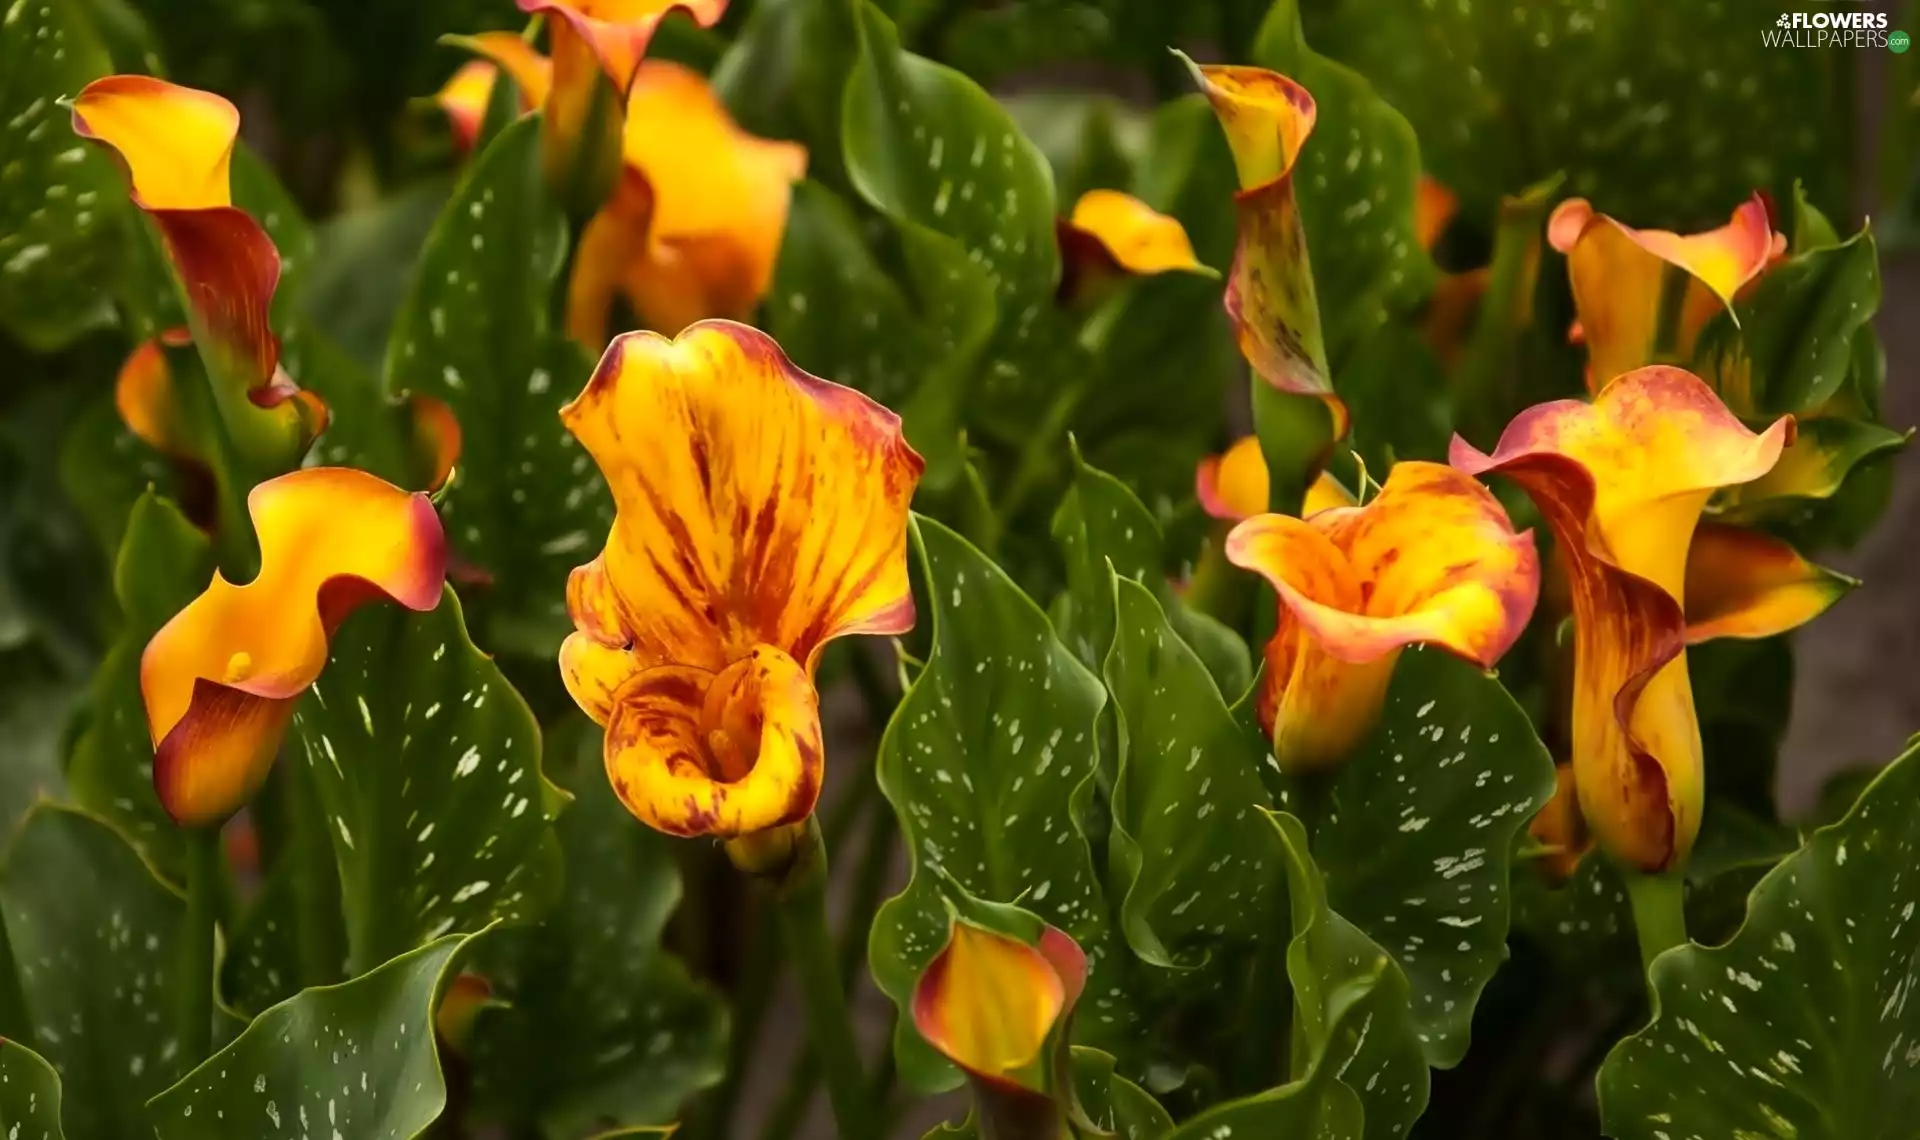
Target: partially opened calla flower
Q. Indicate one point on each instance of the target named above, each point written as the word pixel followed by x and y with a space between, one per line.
pixel 144 396
pixel 1270 296
pixel 1434 206
pixel 761 513
pixel 597 48
pixel 176 144
pixel 220 680
pixel 1233 485
pixel 998 1008
pixel 1620 274
pixel 1560 830
pixel 694 228
pixel 1747 583
pixel 1622 482
pixel 1432 559
pixel 1110 234
pixel 465 96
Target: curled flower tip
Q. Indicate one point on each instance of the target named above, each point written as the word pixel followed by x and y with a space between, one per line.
pixel 1432 559
pixel 761 513
pixel 1622 481
pixel 220 680
pixel 1617 276
pixel 1233 485
pixel 684 239
pixel 614 34
pixel 991 1003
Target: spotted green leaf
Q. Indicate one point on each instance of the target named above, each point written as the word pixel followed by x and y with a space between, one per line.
pixel 1194 863
pixel 1332 962
pixel 29 1094
pixel 925 143
pixel 63 214
pixel 784 76
pixel 164 563
pixel 1355 181
pixel 1101 522
pixel 356 1061
pixel 93 932
pixel 427 765
pixel 1664 114
pixel 1802 1024
pixel 988 763
pixel 599 1026
pixel 526 505
pixel 1416 848
pixel 1787 346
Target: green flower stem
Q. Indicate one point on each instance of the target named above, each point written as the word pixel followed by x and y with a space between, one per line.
pixel 194 984
pixel 802 904
pixel 1659 914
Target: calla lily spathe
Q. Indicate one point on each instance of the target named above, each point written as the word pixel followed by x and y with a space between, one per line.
pixel 1233 485
pixel 1270 296
pixel 176 145
pixel 1622 482
pixel 1111 234
pixel 694 227
pixel 1432 559
pixel 993 1004
pixel 220 680
pixel 465 95
pixel 761 513
pixel 1619 277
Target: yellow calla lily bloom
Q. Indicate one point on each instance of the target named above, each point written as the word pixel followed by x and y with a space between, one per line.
pixel 1270 297
pixel 761 513
pixel 991 1003
pixel 220 680
pixel 1432 559
pixel 1233 485
pixel 176 145
pixel 694 228
pixel 1111 233
pixel 464 97
pixel 1622 482
pixel 1617 273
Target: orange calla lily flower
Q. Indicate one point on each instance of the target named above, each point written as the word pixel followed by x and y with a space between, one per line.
pixel 220 680
pixel 1622 482
pixel 1434 206
pixel 1233 485
pixel 1270 296
pixel 1432 559
pixel 1618 276
pixel 611 35
pixel 990 1003
pixel 762 512
pixel 1110 233
pixel 176 144
pixel 144 396
pixel 1747 584
pixel 694 228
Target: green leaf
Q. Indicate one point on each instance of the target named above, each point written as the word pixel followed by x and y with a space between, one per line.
pixel 357 1061
pixel 785 74
pixel 1333 964
pixel 1194 862
pixel 1664 114
pixel 599 1025
pixel 527 504
pixel 93 932
pixel 29 1094
pixel 1801 1025
pixel 988 763
pixel 926 144
pixel 63 210
pixel 1114 1103
pixel 164 563
pixel 1792 336
pixel 105 469
pixel 362 268
pixel 427 764
pixel 1100 523
pixel 1416 850
pixel 1355 179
